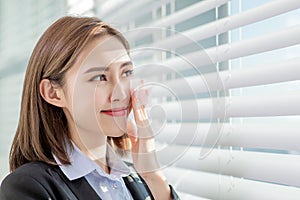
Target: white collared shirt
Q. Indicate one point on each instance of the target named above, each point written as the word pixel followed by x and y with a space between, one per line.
pixel 107 186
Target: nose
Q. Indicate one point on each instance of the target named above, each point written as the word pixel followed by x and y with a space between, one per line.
pixel 119 92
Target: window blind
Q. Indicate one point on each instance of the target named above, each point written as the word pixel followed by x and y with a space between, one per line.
pixel 249 68
pixel 226 88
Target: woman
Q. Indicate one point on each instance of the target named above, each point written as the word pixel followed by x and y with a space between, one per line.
pixel 73 121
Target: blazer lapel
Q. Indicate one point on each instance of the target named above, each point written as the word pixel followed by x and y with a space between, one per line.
pixel 79 187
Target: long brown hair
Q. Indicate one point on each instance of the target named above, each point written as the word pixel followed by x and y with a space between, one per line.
pixel 42 129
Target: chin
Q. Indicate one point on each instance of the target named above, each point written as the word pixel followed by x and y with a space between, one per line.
pixel 114 130
pixel 113 127
pixel 115 134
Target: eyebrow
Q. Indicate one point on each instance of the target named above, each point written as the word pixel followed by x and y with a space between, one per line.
pixel 97 69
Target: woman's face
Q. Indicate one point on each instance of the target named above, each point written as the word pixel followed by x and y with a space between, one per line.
pixel 97 89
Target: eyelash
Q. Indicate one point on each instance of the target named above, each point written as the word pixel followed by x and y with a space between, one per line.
pixel 99 78
pixel 128 72
pixel 103 76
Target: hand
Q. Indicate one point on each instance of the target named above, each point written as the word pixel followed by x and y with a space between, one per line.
pixel 142 137
pixel 142 131
pixel 143 147
pixel 140 101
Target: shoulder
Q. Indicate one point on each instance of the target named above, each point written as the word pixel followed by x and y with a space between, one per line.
pixel 28 181
pixel 28 168
pixel 34 171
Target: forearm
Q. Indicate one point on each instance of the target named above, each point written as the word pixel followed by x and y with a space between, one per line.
pixel 145 162
pixel 158 185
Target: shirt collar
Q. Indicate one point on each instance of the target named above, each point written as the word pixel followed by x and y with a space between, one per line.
pixel 116 164
pixel 81 165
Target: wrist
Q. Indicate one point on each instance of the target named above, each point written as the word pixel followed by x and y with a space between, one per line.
pixel 144 145
pixel 145 162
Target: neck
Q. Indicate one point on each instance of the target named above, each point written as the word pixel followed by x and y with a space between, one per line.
pixel 93 148
pixel 96 154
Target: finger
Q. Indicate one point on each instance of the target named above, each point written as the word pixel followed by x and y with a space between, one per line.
pixel 140 115
pixel 132 132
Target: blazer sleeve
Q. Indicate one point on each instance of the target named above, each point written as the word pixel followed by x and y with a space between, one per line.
pixel 173 193
pixel 139 189
pixel 21 186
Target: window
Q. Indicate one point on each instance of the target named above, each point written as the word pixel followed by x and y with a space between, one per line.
pixel 232 131
pixel 225 82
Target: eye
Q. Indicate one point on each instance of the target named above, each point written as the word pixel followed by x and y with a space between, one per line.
pixel 101 77
pixel 127 73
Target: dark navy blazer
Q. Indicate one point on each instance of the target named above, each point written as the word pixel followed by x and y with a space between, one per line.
pixel 38 180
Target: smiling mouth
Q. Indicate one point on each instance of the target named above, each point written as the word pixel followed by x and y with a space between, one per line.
pixel 116 112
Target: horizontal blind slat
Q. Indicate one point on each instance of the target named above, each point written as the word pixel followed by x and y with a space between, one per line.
pixel 109 14
pixel 184 195
pixel 134 10
pixel 229 79
pixel 233 134
pixel 229 23
pixel 252 106
pixel 107 7
pixel 178 17
pixel 214 186
pixel 281 169
pixel 284 38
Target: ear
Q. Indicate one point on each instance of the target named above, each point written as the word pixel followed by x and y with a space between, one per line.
pixel 51 93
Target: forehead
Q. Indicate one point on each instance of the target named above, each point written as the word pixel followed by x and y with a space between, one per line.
pixel 103 52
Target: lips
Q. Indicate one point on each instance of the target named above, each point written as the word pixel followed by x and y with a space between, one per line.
pixel 116 112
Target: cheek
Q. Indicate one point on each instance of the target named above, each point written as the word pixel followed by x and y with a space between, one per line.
pixel 110 126
pixel 83 97
pixel 100 98
pixel 126 85
pixel 84 110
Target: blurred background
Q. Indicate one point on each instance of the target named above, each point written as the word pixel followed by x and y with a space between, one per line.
pixel 254 50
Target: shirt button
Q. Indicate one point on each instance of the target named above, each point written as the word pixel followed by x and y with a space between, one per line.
pixel 115 185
